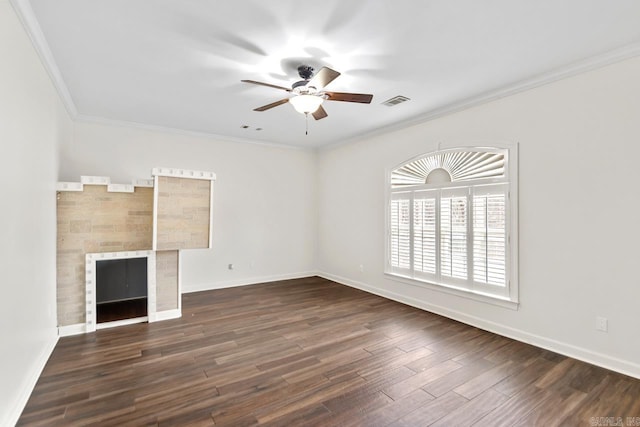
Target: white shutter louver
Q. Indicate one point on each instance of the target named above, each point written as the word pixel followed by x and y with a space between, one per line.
pixel 424 235
pixel 453 237
pixel 400 234
pixel 489 239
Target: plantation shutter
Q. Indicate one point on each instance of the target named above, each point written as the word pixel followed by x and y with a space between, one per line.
pixel 452 221
pixel 425 234
pixel 490 235
pixel 400 233
pixel 453 235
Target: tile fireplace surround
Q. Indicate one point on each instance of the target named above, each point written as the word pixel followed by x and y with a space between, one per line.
pixel 155 218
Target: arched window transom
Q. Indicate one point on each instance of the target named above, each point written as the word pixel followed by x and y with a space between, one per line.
pixel 459 165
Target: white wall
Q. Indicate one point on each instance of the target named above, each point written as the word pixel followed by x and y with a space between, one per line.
pixel 579 201
pixel 264 214
pixel 32 123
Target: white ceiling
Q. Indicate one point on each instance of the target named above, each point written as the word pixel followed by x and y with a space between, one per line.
pixel 178 64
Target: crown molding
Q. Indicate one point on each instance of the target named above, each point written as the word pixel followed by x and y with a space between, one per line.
pixel 572 69
pixel 578 67
pixel 28 19
pixel 83 118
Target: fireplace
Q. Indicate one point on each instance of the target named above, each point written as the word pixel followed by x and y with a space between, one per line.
pixel 120 288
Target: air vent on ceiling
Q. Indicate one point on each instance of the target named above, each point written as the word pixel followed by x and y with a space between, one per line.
pixel 395 100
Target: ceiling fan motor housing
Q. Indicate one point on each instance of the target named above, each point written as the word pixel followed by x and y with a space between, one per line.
pixel 305 71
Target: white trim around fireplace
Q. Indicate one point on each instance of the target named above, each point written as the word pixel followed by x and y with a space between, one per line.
pixel 183 173
pixel 90 288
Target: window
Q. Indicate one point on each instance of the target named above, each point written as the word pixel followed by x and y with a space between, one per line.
pixel 452 222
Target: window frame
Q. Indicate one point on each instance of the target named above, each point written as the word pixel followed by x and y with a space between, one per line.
pixel 468 288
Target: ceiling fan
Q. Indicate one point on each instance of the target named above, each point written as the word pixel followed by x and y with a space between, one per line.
pixel 309 93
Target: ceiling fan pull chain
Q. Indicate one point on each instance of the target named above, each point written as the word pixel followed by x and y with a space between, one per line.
pixel 306 123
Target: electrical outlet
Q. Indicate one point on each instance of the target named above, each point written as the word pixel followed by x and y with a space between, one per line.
pixel 602 324
pixel 361 268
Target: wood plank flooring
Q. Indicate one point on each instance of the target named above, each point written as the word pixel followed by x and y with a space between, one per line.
pixel 310 352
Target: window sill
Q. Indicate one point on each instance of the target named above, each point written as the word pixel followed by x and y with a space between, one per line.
pixel 464 293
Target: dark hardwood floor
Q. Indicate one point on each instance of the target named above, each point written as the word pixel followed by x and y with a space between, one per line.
pixel 310 352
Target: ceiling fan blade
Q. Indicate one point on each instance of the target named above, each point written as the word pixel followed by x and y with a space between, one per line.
pixel 320 113
pixel 363 98
pixel 273 104
pixel 323 77
pixel 266 84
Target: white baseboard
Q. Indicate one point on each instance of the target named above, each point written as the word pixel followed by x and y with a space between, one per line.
pixel 246 281
pixel 168 315
pixel 625 367
pixel 27 387
pixel 69 330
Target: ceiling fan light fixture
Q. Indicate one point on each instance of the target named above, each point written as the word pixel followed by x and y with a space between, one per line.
pixel 308 94
pixel 306 104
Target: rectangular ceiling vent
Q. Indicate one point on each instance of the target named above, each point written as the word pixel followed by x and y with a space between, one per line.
pixel 395 100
